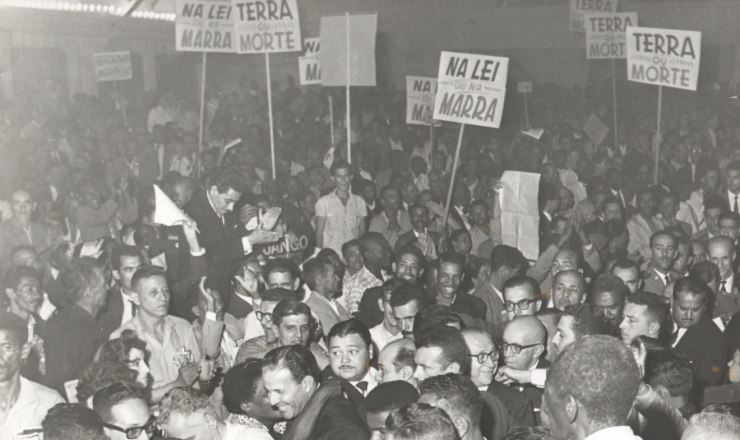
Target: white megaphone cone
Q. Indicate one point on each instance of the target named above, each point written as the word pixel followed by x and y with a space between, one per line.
pixel 165 211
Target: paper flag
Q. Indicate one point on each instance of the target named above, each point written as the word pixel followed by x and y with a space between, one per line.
pixel 534 132
pixel 165 211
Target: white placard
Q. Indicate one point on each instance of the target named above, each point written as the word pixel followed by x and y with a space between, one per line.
pixel 420 94
pixel 663 57
pixel 579 9
pixel 112 66
pixel 605 35
pixel 204 26
pixel 263 26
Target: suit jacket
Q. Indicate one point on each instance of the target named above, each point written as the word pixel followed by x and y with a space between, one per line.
pixel 380 223
pixel 518 404
pixel 12 234
pixel 338 419
pixel 326 314
pixel 467 303
pixel 706 347
pixel 237 306
pixel 534 393
pixel 495 311
pixel 653 283
pixel 369 312
pixel 221 240
pixel 111 315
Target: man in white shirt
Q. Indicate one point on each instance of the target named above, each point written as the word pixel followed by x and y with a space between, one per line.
pixel 23 404
pixel 576 384
pixel 187 413
pixel 350 351
pixel 388 330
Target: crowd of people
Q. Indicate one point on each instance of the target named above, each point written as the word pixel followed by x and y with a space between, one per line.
pixel 345 297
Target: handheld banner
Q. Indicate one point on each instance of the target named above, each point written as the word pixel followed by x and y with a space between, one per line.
pixel 112 66
pixel 312 47
pixel 471 89
pixel 267 26
pixel 166 212
pixel 605 35
pixel 579 8
pixel 595 129
pixel 520 217
pixel 663 57
pixel 420 93
pixel 204 26
pixel 362 33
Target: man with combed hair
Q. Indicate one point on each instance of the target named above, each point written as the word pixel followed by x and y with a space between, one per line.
pixel 350 352
pixel 608 296
pixel 450 267
pixel 505 263
pixel 67 421
pixel 187 413
pixel 578 321
pixel 580 401
pixel 659 270
pixel 383 400
pixel 420 421
pixel 322 279
pixel 629 272
pixel 440 350
pixel 568 288
pixel 125 412
pixel 712 426
pixel 378 259
pixel 484 363
pixel 521 296
pixel 396 361
pixel 25 402
pixel 644 315
pixel 695 335
pixel 669 374
pixel 459 398
pixel 291 377
pixel 406 301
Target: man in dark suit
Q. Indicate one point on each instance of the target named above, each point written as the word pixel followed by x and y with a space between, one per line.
pixel 450 268
pixel 523 344
pixel 223 236
pixel 419 235
pixel 244 295
pixel 293 367
pixel 549 204
pixel 695 335
pixel 120 308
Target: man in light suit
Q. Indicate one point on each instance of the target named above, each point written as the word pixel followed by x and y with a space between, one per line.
pixel 21 230
pixel 321 277
pixel 659 270
pixel 644 223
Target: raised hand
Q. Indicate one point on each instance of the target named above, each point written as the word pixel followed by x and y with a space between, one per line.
pixel 270 218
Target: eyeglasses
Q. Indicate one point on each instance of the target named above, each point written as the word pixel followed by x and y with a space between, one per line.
pixel 523 304
pixel 135 431
pixel 516 348
pixel 483 357
pixel 266 316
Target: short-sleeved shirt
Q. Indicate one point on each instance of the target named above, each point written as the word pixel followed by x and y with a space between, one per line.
pixel 178 335
pixel 34 401
pixel 342 222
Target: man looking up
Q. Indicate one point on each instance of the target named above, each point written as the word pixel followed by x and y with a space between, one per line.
pixel 575 400
pixel 393 221
pixel 291 377
pixel 340 216
pixel 384 399
pixel 608 297
pixel 568 288
pixel 73 334
pixel 505 263
pixel 125 412
pixel 663 247
pixel 644 315
pixel 322 279
pixel 458 397
pixel 24 403
pixel 695 335
pixel 377 256
pixel 521 296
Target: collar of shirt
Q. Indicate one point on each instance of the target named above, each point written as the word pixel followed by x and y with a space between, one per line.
pixel 681 332
pixel 370 207
pixel 248 299
pixel 208 197
pixel 661 275
pixel 417 234
pixel 615 432
pixel 731 197
pixel 729 281
pixel 500 294
pixel 547 215
pixel 369 378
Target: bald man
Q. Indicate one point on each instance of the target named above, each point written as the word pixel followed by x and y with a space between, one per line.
pixel 523 345
pixel 569 288
pixel 396 361
pixel 564 259
pixel 721 252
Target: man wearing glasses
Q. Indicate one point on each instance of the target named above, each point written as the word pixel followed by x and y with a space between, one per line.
pixel 521 295
pixel 522 347
pixel 125 412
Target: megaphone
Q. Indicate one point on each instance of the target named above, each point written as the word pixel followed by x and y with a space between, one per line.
pixel 166 212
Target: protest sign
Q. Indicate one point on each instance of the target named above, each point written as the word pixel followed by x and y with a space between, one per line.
pixel 579 8
pixel 204 26
pixel 311 47
pixel 420 93
pixel 267 26
pixel 362 32
pixel 309 70
pixel 471 89
pixel 520 217
pixel 605 34
pixel 663 57
pixel 524 87
pixel 595 129
pixel 112 66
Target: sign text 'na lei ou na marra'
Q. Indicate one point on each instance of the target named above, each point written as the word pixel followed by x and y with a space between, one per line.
pixel 663 57
pixel 471 89
pixel 204 26
pixel 264 26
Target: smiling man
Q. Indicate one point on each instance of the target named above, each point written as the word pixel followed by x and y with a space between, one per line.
pixel 449 275
pixel 291 377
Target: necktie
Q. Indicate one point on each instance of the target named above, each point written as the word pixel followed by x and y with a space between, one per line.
pixel 667 279
pixel 362 386
pixel 674 337
pixel 723 287
pixel 734 208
